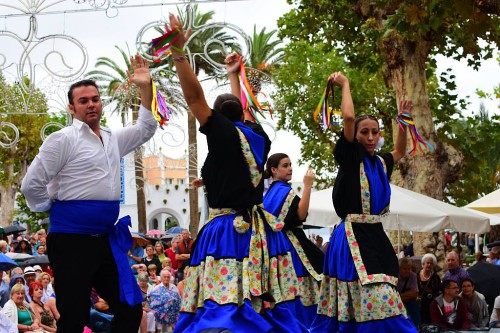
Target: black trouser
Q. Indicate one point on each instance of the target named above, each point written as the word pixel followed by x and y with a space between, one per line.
pixel 80 262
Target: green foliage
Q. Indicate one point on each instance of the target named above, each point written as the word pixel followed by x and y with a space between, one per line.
pixel 265 52
pixel 24 215
pixel 478 138
pixel 359 29
pixel 15 160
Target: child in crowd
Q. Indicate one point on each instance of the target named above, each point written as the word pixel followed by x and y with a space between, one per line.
pixel 167 264
pixel 154 279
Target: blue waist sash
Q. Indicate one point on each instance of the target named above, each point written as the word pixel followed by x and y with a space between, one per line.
pixel 91 217
pixel 88 217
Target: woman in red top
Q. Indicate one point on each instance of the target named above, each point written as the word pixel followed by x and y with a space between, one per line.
pixel 170 252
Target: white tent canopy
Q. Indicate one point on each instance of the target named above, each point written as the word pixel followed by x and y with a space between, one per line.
pixel 490 203
pixel 409 211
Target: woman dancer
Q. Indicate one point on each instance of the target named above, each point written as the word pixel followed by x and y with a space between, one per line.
pixel 358 291
pixel 281 201
pixel 241 275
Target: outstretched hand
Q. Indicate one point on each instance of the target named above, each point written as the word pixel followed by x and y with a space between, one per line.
pixel 405 106
pixel 175 21
pixel 233 62
pixel 140 74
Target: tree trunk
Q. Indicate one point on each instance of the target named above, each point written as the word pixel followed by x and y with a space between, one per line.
pixel 194 220
pixel 427 174
pixel 141 197
pixel 139 179
pixel 8 190
pixel 8 195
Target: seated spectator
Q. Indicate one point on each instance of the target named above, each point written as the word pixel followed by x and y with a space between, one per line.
pixel 455 272
pixel 148 318
pixel 493 255
pixel 449 310
pixel 4 290
pixel 171 251
pixel 3 246
pixel 40 251
pixel 477 308
pixel 153 278
pixel 24 247
pixel 16 279
pixel 139 268
pixel 495 314
pixel 167 264
pixel 408 289
pixel 19 311
pixel 100 317
pixel 151 258
pixel 44 315
pixel 38 270
pixel 180 285
pixel 166 287
pixel 44 279
pixel 29 277
pixel 429 286
pixel 160 251
pixel 478 257
pixel 135 254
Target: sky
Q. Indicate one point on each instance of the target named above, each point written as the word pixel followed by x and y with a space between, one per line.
pixel 99 34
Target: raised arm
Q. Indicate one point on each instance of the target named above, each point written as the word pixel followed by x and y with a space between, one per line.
pixel 399 151
pixel 141 77
pixel 191 87
pixel 346 106
pixel 233 62
pixel 306 195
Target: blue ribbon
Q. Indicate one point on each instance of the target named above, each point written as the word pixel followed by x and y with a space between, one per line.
pixel 380 190
pixel 120 241
pixel 257 143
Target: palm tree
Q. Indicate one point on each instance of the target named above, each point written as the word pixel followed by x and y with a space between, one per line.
pixel 265 56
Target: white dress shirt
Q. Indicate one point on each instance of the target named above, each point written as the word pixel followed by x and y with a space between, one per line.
pixel 73 163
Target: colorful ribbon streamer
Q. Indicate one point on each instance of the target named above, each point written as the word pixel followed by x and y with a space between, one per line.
pixel 418 143
pixel 162 44
pixel 327 112
pixel 248 99
pixel 159 107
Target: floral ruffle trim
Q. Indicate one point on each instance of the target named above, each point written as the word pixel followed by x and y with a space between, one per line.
pixel 352 301
pixel 286 205
pixel 226 281
pixel 255 174
pixel 364 277
pixel 302 255
pixel 308 290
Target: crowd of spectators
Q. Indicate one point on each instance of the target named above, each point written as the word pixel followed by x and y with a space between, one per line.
pixel 28 300
pixel 450 302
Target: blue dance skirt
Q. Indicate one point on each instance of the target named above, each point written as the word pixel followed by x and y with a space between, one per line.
pixel 346 305
pixel 229 288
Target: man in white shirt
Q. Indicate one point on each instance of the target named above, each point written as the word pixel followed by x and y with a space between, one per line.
pixel 76 176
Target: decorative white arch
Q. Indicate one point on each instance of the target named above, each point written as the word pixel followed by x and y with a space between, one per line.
pixel 173 212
